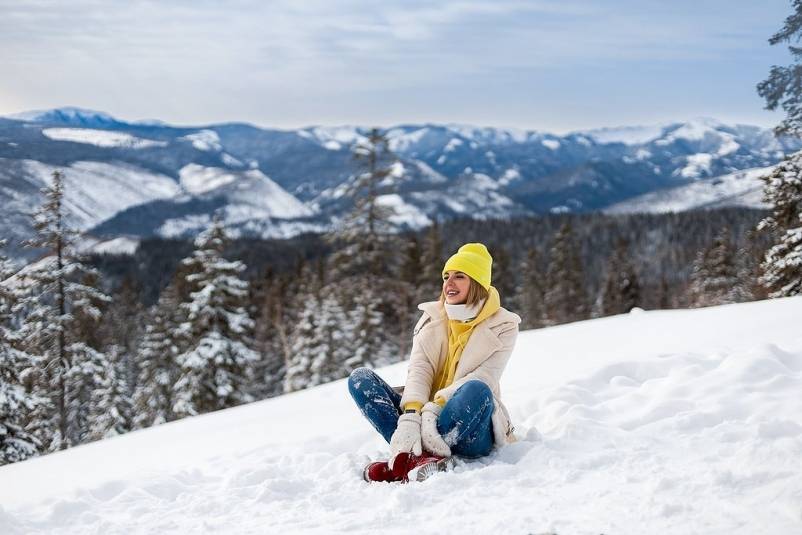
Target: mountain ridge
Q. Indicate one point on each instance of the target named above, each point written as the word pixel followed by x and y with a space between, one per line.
pixel 446 171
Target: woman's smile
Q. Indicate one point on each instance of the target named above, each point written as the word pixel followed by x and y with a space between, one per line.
pixel 455 287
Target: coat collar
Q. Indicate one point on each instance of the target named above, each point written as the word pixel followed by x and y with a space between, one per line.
pixel 436 311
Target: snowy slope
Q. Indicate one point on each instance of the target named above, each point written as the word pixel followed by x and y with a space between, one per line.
pixel 100 138
pixel 742 188
pixel 685 421
pixel 94 191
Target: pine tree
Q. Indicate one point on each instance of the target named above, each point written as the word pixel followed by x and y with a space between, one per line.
pixel 366 232
pixel 304 342
pixel 621 288
pixel 371 348
pixel 504 277
pixel 782 265
pixel 216 372
pixel 531 293
pixel 158 367
pixel 714 279
pixel 565 298
pixel 430 283
pixel 16 444
pixel 782 87
pixel 270 335
pixel 60 315
pixel 123 328
pixel 112 412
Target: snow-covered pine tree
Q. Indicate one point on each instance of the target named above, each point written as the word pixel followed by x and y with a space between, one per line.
pixel 370 345
pixel 782 87
pixel 365 232
pixel 782 265
pixel 565 299
pixel 123 328
pixel 216 372
pixel 270 335
pixel 531 292
pixel 61 305
pixel 367 255
pixel 112 412
pixel 16 444
pixel 714 278
pixel 305 338
pixel 303 346
pixel 331 356
pixel 621 287
pixel 158 367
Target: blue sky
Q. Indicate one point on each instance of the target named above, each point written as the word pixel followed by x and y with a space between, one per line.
pixel 540 65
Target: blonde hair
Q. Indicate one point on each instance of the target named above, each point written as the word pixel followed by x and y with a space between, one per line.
pixel 476 293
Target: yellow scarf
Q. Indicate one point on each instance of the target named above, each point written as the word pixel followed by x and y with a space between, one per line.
pixel 458 335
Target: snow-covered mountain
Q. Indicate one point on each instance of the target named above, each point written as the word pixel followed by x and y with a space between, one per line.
pixel 682 421
pixel 148 178
pixel 741 188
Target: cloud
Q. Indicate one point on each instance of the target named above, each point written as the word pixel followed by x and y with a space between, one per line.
pixel 219 57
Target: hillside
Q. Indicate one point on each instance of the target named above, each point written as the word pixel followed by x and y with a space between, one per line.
pixel 683 421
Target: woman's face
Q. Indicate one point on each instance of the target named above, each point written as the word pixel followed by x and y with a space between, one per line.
pixel 455 287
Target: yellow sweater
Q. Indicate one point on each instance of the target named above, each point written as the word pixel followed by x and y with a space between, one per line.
pixel 458 334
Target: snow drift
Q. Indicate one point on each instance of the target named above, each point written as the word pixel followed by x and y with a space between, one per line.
pixel 686 421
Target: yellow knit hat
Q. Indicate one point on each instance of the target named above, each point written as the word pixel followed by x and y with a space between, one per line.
pixel 473 260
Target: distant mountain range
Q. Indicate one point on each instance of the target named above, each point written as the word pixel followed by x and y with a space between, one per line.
pixel 138 179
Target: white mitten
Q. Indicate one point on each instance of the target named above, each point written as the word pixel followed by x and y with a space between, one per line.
pixel 406 438
pixel 432 441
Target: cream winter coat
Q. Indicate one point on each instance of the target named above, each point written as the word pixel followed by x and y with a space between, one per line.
pixel 485 356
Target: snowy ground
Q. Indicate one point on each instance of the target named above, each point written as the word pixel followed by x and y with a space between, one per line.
pixel 657 422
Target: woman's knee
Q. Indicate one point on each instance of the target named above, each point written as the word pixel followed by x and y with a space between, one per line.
pixel 360 376
pixel 474 389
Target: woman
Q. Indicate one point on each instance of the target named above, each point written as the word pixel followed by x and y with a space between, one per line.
pixel 451 400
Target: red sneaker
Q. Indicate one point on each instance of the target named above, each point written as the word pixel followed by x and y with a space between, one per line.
pixel 407 468
pixel 380 471
pixel 425 466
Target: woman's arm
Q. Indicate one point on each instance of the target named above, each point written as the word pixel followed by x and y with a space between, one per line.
pixel 420 374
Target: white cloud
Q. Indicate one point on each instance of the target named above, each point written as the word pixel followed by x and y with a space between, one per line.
pixel 266 61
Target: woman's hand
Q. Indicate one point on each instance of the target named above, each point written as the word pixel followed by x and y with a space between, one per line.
pixel 430 436
pixel 406 438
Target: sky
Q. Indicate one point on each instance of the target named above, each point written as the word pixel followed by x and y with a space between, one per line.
pixel 548 65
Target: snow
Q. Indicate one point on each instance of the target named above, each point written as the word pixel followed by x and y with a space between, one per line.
pixel 405 214
pixel 697 165
pixel 67 113
pixel 741 188
pixel 552 144
pixel 253 201
pixel 205 140
pixel 122 245
pixel 696 129
pixel 686 421
pixel 628 135
pixel 95 191
pixel 510 175
pixel 197 179
pixel 230 160
pixel 400 141
pixel 100 138
pixel 452 144
pixel 334 138
pixel 489 135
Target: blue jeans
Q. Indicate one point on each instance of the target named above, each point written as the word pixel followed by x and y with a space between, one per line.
pixel 464 422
